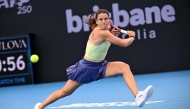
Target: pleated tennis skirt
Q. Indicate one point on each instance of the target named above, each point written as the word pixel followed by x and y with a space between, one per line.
pixel 85 71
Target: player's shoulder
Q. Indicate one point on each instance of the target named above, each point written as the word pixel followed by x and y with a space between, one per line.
pixel 102 33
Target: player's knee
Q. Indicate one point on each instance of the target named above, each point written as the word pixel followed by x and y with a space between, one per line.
pixel 125 67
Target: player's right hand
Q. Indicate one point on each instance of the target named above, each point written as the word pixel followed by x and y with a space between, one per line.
pixel 130 33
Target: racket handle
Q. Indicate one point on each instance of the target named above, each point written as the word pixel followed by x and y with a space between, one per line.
pixel 123 31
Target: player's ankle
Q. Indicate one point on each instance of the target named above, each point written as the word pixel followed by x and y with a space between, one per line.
pixel 135 93
pixel 40 106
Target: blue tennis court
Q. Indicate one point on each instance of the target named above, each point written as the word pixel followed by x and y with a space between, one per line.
pixel 171 91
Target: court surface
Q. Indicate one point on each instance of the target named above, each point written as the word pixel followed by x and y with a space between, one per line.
pixel 171 91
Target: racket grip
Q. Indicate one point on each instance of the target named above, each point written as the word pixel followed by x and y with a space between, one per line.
pixel 123 31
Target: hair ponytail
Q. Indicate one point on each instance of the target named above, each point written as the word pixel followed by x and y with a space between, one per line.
pixel 91 21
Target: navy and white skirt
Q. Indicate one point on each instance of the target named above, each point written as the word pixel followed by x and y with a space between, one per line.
pixel 85 71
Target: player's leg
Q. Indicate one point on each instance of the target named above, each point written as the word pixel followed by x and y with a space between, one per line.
pixel 116 68
pixel 67 90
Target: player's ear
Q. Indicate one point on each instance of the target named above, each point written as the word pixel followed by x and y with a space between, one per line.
pixel 93 26
pixel 96 22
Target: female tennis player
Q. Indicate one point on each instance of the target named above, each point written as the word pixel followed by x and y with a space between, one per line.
pixel 93 65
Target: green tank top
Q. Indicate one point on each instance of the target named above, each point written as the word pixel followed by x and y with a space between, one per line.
pixel 97 52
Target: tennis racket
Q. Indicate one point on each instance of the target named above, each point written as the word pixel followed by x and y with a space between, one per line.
pixel 112 26
pixel 116 29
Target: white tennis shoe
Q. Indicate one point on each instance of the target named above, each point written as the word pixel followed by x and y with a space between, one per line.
pixel 143 96
pixel 36 106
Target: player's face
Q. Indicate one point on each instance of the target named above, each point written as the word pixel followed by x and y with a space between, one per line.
pixel 103 20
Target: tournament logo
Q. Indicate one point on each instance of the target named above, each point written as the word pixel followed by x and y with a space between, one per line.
pixel 23 6
pixel 122 18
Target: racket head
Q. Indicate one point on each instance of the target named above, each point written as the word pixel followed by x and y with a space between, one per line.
pixel 112 26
